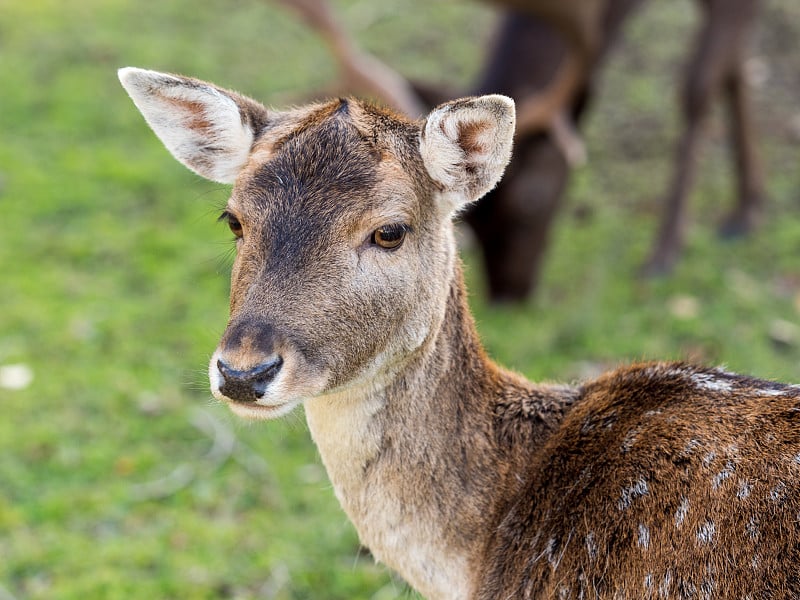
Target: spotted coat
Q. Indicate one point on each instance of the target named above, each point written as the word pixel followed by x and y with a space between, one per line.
pixel 663 481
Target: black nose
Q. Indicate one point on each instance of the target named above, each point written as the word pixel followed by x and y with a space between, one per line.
pixel 248 386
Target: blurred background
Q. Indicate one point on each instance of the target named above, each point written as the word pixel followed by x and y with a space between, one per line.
pixel 119 477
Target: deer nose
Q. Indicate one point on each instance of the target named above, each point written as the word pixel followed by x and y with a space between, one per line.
pixel 249 385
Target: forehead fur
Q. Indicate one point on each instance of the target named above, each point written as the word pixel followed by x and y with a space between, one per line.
pixel 338 172
pixel 326 156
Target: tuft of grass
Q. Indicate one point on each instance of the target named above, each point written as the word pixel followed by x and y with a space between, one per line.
pixel 119 477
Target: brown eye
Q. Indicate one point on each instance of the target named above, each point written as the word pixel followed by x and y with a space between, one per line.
pixel 389 236
pixel 233 223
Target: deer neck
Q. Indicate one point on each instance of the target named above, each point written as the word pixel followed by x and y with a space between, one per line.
pixel 415 461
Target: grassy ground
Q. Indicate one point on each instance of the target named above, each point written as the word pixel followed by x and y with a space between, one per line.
pixel 119 478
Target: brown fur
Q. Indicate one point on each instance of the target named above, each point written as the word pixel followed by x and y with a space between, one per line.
pixel 656 480
pixel 657 485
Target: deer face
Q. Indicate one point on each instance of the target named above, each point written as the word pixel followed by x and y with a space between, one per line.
pixel 341 214
pixel 336 244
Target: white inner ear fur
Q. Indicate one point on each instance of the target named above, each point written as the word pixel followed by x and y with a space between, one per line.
pixel 199 124
pixel 466 145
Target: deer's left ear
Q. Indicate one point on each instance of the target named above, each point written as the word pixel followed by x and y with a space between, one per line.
pixel 466 145
pixel 208 129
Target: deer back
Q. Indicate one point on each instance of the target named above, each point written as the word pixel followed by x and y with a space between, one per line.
pixel 663 481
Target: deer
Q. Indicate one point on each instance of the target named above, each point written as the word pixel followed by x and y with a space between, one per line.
pixel 548 54
pixel 656 479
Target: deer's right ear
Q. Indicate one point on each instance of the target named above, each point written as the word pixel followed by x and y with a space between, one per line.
pixel 466 145
pixel 208 129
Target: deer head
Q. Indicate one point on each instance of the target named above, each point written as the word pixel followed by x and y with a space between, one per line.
pixel 342 217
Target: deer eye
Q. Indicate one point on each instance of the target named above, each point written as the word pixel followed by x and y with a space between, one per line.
pixel 389 237
pixel 233 223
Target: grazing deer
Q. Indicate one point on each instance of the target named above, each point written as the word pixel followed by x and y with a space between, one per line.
pixel 655 480
pixel 546 55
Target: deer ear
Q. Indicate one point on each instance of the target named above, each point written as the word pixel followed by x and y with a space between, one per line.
pixel 466 145
pixel 208 129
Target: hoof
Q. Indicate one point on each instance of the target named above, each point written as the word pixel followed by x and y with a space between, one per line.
pixel 658 265
pixel 737 226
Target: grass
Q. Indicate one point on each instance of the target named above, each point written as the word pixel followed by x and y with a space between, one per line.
pixel 119 477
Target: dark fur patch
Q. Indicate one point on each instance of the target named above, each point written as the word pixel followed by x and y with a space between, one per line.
pixel 306 186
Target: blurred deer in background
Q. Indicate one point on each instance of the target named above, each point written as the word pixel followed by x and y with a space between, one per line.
pixel 546 55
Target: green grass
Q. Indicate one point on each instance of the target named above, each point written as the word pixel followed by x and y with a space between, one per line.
pixel 115 287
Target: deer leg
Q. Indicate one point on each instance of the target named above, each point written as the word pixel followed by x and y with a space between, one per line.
pixel 670 237
pixel 706 74
pixel 747 166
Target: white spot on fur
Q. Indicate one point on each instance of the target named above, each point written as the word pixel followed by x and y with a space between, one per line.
pixel 666 585
pixel 772 392
pixel 778 492
pixel 711 383
pixel 709 458
pixel 705 533
pixel 553 546
pixel 630 439
pixel 591 546
pixel 648 581
pixel 550 551
pixel 686 589
pixel 683 509
pixel 744 489
pixel 707 588
pixel 723 475
pixel 692 445
pixel 631 493
pixel 644 536
pixel 752 528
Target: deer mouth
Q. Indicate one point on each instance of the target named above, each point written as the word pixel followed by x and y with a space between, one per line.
pixel 260 412
pixel 249 393
pixel 268 391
